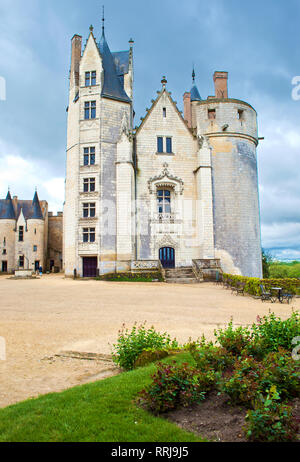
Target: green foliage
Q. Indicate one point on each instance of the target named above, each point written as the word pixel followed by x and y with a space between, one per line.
pixel 132 277
pixel 272 332
pixel 252 285
pixel 175 386
pixel 281 371
pixel 270 421
pixel 279 269
pixel 211 357
pixel 131 343
pixel 243 385
pixel 233 340
pixel 250 377
pixel 266 262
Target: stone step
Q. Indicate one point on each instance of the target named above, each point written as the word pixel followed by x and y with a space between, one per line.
pixel 181 281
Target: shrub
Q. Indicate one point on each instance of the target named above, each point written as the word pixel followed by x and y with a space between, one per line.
pixel 243 385
pixel 150 355
pixel 131 343
pixel 233 340
pixel 270 421
pixel 175 386
pixel 252 285
pixel 275 332
pixel 282 371
pixel 210 357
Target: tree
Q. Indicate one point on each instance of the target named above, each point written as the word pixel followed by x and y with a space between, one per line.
pixel 266 262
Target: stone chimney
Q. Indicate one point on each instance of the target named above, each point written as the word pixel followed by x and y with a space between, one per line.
pixel 221 84
pixel 75 60
pixel 187 111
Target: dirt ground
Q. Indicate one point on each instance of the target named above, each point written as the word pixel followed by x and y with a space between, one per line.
pixel 51 316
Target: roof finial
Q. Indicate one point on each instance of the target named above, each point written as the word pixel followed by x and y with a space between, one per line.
pixel 193 74
pixel 164 81
pixel 103 19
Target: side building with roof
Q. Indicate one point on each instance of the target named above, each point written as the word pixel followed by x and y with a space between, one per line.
pixel 27 234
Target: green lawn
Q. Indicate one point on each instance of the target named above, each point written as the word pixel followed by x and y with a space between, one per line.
pixel 102 412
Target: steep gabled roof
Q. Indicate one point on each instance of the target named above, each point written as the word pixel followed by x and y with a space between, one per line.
pixel 112 86
pixel 7 211
pixel 154 103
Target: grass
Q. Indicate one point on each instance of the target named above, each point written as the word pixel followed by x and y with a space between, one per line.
pixel 98 412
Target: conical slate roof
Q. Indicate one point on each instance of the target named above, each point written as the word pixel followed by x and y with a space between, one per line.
pixel 7 211
pixel 36 208
pixel 195 95
pixel 112 87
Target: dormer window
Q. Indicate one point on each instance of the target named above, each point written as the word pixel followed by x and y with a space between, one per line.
pixel 90 78
pixel 160 144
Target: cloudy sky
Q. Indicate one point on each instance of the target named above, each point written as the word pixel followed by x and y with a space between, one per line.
pixel 256 42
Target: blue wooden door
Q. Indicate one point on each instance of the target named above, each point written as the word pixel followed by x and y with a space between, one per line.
pixel 167 257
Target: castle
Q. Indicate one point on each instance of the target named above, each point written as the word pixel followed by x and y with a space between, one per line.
pixel 30 236
pixel 178 191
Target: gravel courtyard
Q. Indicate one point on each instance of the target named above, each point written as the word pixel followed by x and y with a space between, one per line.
pixel 43 320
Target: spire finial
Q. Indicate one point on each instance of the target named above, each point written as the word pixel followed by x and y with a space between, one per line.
pixel 103 19
pixel 164 81
pixel 193 74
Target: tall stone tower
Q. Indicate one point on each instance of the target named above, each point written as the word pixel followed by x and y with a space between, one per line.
pixel 230 126
pixel 99 172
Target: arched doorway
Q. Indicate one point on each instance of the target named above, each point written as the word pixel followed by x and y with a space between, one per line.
pixel 167 257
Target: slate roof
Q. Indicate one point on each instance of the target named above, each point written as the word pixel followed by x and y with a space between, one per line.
pixel 114 66
pixel 195 95
pixel 7 211
pixel 31 209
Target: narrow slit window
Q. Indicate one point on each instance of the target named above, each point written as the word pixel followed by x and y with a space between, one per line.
pixel 169 145
pixel 211 114
pixel 164 112
pixel 240 114
pixel 160 144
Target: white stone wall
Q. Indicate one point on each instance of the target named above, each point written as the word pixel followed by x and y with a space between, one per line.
pixel 7 242
pixel 180 178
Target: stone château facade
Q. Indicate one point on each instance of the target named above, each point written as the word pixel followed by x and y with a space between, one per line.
pixel 178 189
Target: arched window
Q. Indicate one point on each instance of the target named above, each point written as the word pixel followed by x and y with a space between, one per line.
pixel 164 200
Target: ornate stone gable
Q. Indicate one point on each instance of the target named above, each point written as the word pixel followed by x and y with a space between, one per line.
pixel 166 179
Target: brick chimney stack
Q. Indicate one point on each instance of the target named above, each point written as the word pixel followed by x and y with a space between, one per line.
pixel 187 108
pixel 221 84
pixel 75 60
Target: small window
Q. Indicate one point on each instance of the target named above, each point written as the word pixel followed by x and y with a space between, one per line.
pixel 90 110
pixel 90 78
pixel 4 241
pixel 21 233
pixel 240 114
pixel 35 248
pixel 87 79
pixel 169 145
pixel 89 184
pixel 89 156
pixel 89 210
pixel 160 144
pixel 164 201
pixel 4 252
pixel 211 114
pixel 89 234
pixel 164 112
pixel 21 261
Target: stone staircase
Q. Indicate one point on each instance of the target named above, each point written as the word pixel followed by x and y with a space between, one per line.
pixel 184 275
